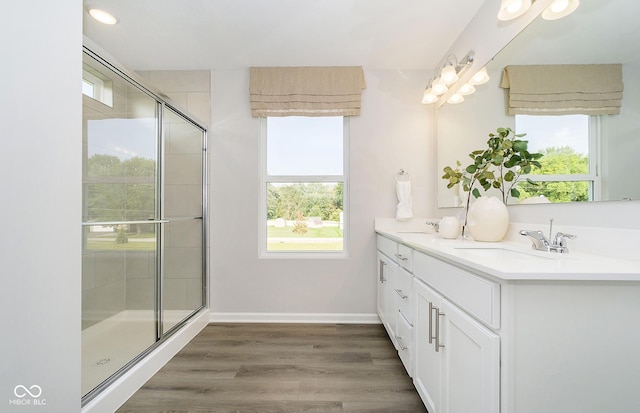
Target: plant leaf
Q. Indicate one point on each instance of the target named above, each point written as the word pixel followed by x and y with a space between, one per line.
pixel 520 146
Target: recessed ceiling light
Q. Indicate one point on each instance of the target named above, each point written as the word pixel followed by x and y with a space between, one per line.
pixel 102 16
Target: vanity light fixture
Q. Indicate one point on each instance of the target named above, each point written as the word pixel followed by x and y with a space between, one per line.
pixel 480 78
pixel 452 69
pixel 439 87
pixel 560 9
pixel 102 16
pixel 456 98
pixel 448 75
pixel 429 97
pixel 466 89
pixel 510 9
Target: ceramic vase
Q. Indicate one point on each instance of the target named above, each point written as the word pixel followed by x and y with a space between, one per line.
pixel 449 227
pixel 488 219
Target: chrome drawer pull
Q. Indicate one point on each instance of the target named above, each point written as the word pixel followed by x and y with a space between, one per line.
pixel 431 308
pixel 401 294
pixel 437 344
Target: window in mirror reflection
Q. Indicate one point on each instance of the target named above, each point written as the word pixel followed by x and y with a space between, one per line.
pixel 568 171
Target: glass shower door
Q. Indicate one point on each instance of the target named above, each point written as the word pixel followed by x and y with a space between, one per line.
pixel 182 288
pixel 143 223
pixel 120 226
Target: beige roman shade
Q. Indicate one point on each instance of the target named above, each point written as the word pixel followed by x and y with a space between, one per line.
pixel 306 91
pixel 593 89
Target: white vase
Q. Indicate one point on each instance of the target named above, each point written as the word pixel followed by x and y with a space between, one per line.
pixel 488 219
pixel 449 227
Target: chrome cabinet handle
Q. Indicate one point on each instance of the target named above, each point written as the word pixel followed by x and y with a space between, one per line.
pixel 437 344
pixel 381 271
pixel 401 294
pixel 401 257
pixel 431 308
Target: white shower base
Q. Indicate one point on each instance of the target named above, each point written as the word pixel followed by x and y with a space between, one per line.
pixel 113 342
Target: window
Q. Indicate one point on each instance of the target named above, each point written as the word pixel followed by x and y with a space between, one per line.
pixel 304 182
pixel 97 86
pixel 568 142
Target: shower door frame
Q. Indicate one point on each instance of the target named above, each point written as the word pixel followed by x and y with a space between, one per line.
pixel 162 102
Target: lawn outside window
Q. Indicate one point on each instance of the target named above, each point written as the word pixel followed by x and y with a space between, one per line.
pixel 303 203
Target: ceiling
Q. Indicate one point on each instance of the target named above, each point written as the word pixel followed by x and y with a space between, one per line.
pixel 223 34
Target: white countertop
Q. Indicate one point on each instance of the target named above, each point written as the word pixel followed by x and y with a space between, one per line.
pixel 515 260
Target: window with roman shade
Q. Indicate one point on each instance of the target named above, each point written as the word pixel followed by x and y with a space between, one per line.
pixel 306 91
pixel 590 89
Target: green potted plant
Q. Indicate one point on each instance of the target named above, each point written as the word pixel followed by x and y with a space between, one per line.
pixel 499 166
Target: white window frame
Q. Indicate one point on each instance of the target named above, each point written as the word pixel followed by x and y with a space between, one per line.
pixel 595 158
pixel 102 87
pixel 266 178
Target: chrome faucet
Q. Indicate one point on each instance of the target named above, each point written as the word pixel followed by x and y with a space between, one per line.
pixel 541 243
pixel 435 225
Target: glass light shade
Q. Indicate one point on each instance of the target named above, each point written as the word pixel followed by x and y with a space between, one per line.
pixel 429 97
pixel 481 77
pixel 439 87
pixel 455 98
pixel 560 9
pixel 103 16
pixel 510 9
pixel 466 89
pixel 449 75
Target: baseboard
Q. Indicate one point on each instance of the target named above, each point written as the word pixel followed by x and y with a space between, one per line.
pixel 330 318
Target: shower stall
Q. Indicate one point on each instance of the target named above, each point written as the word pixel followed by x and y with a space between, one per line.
pixel 143 224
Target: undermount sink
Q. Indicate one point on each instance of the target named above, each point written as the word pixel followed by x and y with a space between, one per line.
pixel 500 253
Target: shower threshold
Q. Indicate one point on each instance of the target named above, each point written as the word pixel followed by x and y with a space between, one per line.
pixel 110 344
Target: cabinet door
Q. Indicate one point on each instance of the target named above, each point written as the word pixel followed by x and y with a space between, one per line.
pixel 387 303
pixel 470 363
pixel 382 297
pixel 426 373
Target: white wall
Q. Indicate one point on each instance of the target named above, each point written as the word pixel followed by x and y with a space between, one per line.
pixel 40 212
pixel 394 131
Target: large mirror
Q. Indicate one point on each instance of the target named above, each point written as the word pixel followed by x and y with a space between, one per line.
pixel 598 32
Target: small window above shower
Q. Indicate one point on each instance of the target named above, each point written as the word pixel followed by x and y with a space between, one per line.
pixel 97 86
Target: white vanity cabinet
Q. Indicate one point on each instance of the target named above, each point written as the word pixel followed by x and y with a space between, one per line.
pixel 395 285
pixel 550 334
pixel 457 359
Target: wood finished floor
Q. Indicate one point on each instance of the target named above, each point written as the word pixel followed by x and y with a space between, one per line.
pixel 282 368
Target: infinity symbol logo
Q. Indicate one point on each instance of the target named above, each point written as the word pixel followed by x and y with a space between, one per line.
pixel 33 391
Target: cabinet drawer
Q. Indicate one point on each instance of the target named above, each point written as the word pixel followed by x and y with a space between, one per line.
pixel 404 257
pixel 404 290
pixel 479 296
pixel 404 338
pixel 388 247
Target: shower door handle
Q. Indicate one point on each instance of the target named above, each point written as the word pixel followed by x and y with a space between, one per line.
pixel 147 221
